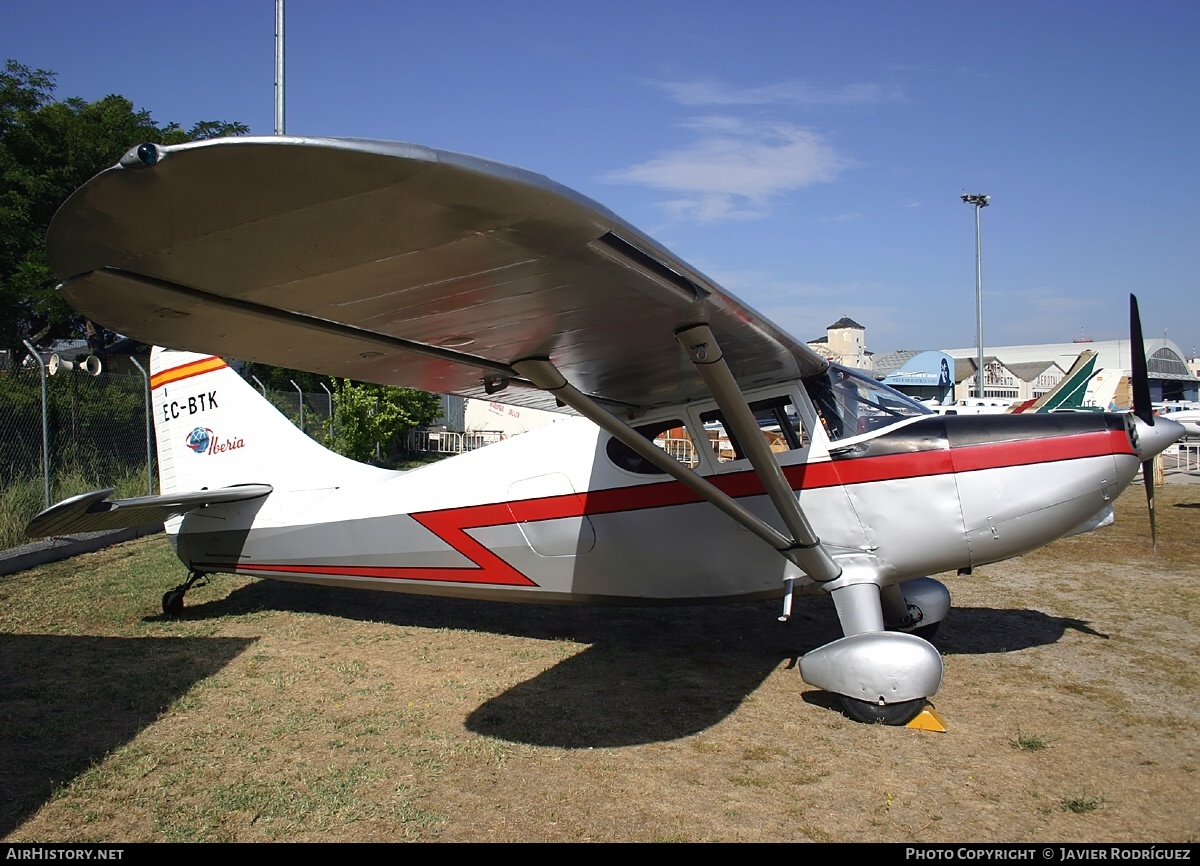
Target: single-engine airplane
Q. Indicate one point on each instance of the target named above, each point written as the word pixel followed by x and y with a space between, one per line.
pixel 399 264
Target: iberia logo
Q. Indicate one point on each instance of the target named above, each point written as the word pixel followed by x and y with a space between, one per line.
pixel 202 440
pixel 198 439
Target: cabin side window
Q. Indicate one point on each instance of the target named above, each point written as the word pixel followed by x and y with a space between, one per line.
pixel 671 436
pixel 778 422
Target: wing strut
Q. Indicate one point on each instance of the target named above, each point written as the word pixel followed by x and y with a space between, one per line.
pixel 546 376
pixel 706 355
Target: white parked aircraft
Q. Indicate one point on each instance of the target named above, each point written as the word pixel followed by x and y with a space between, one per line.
pixel 1183 412
pixel 398 264
pixel 1189 420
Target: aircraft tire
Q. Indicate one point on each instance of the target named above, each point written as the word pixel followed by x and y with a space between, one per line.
pixel 882 714
pixel 172 603
pixel 927 632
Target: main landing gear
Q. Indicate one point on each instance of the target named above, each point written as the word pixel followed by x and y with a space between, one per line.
pixel 882 676
pixel 172 600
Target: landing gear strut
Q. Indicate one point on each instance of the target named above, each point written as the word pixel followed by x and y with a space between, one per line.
pixel 172 600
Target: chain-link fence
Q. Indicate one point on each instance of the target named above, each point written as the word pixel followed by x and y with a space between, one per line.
pixel 92 433
pixel 98 433
pixel 311 411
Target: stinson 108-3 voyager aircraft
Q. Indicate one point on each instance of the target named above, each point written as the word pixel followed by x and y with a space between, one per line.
pixel 399 264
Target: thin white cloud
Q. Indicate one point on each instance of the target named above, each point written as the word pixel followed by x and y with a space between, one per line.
pixel 1047 316
pixel 709 92
pixel 735 168
pixel 1046 301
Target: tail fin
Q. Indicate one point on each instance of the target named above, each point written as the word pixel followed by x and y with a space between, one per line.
pixel 1070 391
pixel 215 430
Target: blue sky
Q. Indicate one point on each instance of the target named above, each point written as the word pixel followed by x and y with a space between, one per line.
pixel 808 156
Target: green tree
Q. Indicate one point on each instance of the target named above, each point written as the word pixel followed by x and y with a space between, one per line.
pixel 366 414
pixel 48 148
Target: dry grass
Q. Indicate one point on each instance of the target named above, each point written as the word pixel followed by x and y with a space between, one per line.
pixel 273 711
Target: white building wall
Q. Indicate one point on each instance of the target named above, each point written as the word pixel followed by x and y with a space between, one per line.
pixel 509 420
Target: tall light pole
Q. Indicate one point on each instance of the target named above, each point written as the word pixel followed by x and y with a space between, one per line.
pixel 979 202
pixel 279 122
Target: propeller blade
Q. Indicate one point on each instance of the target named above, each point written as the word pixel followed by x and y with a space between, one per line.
pixel 1140 380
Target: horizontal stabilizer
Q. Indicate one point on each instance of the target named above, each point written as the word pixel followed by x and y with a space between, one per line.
pixel 93 512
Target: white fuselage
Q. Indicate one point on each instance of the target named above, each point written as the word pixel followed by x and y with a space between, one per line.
pixel 548 517
pixel 567 513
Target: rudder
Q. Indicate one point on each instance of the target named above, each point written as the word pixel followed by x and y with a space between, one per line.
pixel 214 429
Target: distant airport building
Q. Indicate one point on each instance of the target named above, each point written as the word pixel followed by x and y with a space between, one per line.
pixel 845 342
pixel 1007 381
pixel 927 376
pixel 485 415
pixel 1020 372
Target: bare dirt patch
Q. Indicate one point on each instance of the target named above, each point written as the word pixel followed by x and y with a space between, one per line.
pixel 274 711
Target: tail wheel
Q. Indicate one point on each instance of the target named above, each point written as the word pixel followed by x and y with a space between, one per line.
pixel 172 602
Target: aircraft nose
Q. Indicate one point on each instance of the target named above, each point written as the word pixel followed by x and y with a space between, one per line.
pixel 1150 440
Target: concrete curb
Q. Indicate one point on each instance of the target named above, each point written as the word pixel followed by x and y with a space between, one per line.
pixel 64 547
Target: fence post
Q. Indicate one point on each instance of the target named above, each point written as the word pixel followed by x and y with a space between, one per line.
pixel 149 463
pixel 45 423
pixel 378 450
pixel 330 395
pixel 301 393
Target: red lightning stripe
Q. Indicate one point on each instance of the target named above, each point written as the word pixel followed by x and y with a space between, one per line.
pixel 451 525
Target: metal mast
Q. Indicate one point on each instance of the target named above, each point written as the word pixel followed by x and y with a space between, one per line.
pixel 979 202
pixel 279 125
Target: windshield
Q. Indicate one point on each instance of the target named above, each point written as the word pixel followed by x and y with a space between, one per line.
pixel 850 403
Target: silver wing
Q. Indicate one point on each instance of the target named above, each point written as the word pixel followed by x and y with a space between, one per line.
pixel 397 264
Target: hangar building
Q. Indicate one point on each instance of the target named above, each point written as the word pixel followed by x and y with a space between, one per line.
pixel 1170 377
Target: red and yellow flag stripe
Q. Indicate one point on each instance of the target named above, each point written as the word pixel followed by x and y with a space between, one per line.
pixel 186 371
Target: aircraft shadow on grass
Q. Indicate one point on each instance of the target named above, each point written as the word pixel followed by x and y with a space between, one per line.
pixel 648 674
pixel 66 701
